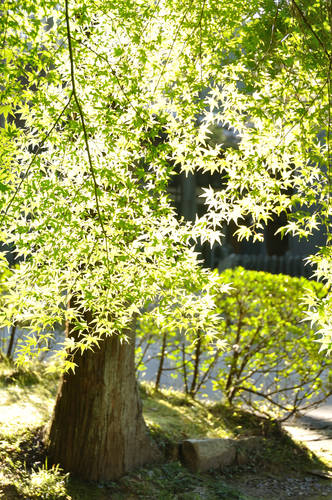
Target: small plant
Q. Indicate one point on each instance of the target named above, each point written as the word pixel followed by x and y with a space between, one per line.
pixel 47 483
pixel 24 468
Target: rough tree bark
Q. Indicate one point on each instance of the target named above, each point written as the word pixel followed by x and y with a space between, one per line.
pixel 97 431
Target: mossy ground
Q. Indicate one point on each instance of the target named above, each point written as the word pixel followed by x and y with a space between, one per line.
pixel 26 401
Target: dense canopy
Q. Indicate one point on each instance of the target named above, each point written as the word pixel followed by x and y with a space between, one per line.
pixel 104 101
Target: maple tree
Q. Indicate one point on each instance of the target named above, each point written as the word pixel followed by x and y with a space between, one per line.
pixel 102 102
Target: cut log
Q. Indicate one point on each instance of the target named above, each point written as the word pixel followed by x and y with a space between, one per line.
pixel 200 455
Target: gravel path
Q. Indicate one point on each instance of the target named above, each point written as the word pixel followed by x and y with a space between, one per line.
pixel 314 429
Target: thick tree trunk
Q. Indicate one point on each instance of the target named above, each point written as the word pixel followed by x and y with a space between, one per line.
pixel 97 431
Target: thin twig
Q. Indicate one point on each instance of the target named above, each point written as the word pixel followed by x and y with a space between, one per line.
pixel 329 158
pixel 308 25
pixel 104 58
pixel 273 28
pixel 5 30
pixel 85 133
pixel 33 159
pixel 170 50
pixel 200 40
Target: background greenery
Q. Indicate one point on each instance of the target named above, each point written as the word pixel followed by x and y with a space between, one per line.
pixel 272 362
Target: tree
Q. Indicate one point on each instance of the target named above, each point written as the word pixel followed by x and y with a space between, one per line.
pixel 85 207
pixel 102 102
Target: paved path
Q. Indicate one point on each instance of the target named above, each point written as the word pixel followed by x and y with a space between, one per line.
pixel 314 429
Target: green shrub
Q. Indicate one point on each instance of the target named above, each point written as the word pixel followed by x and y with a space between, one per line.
pixel 272 363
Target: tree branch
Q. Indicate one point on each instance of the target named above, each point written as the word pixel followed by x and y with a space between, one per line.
pixel 308 25
pixel 85 133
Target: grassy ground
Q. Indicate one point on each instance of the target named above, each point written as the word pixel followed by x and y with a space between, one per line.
pixel 26 401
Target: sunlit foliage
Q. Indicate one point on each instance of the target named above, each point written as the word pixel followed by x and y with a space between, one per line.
pixel 102 101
